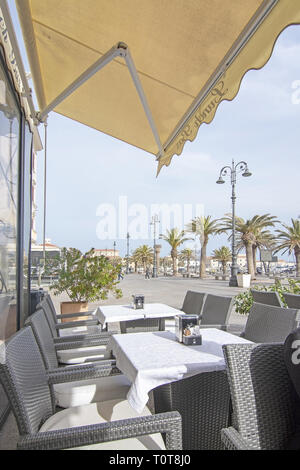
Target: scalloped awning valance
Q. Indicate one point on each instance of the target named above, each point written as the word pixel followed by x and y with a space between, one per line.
pixel 188 55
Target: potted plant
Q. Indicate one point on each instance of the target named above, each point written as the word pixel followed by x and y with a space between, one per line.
pixel 85 278
pixel 243 279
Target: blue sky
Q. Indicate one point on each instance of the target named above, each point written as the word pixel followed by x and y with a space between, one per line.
pixel 261 126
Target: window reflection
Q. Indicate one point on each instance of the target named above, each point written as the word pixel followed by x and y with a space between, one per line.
pixel 9 171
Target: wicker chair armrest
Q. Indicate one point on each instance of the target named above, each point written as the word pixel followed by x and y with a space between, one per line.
pixel 103 368
pixel 168 423
pixel 81 344
pixel 91 338
pixel 232 440
pixel 88 314
pixel 74 324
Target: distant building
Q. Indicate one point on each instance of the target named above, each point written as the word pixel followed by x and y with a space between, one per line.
pixel 282 263
pixel 109 253
pixel 37 252
pixel 213 263
pixel 241 261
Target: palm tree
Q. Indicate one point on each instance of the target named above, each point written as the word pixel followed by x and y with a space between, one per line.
pixel 249 231
pixel 175 238
pixel 223 255
pixel 144 255
pixel 203 227
pixel 186 255
pixel 289 240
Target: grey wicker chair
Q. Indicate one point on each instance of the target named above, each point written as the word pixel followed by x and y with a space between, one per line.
pixel 216 311
pixel 27 384
pixel 57 329
pixel 82 384
pixel 204 413
pixel 66 352
pixel 91 326
pixel 193 302
pixel 264 402
pixel 292 300
pixel 88 315
pixel 269 324
pixel 267 298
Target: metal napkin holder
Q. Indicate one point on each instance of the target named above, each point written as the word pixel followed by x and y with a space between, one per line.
pixel 185 326
pixel 138 301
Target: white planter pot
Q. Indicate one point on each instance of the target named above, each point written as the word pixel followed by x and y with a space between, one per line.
pixel 244 280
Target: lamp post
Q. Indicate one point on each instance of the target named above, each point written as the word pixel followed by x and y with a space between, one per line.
pixel 127 259
pixel 232 171
pixel 153 222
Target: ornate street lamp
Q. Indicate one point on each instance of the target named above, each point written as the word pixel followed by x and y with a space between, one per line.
pixel 232 171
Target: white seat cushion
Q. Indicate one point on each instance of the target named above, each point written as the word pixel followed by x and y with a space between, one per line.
pixel 91 391
pixel 82 355
pixel 107 411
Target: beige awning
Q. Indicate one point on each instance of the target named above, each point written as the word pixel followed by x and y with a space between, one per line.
pixel 189 56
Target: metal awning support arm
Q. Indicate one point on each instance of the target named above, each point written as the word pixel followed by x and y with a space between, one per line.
pixel 139 88
pixel 114 52
pixel 119 50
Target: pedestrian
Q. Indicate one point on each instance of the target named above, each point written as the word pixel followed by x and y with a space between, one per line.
pixel 147 275
pixel 120 275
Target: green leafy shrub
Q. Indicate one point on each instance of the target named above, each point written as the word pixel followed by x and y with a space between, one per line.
pixel 244 300
pixel 86 278
pixel 294 286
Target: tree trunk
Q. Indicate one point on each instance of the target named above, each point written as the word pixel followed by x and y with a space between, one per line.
pixel 175 271
pixel 203 261
pixel 249 256
pixel 174 259
pixel 224 267
pixel 254 249
pixel 188 267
